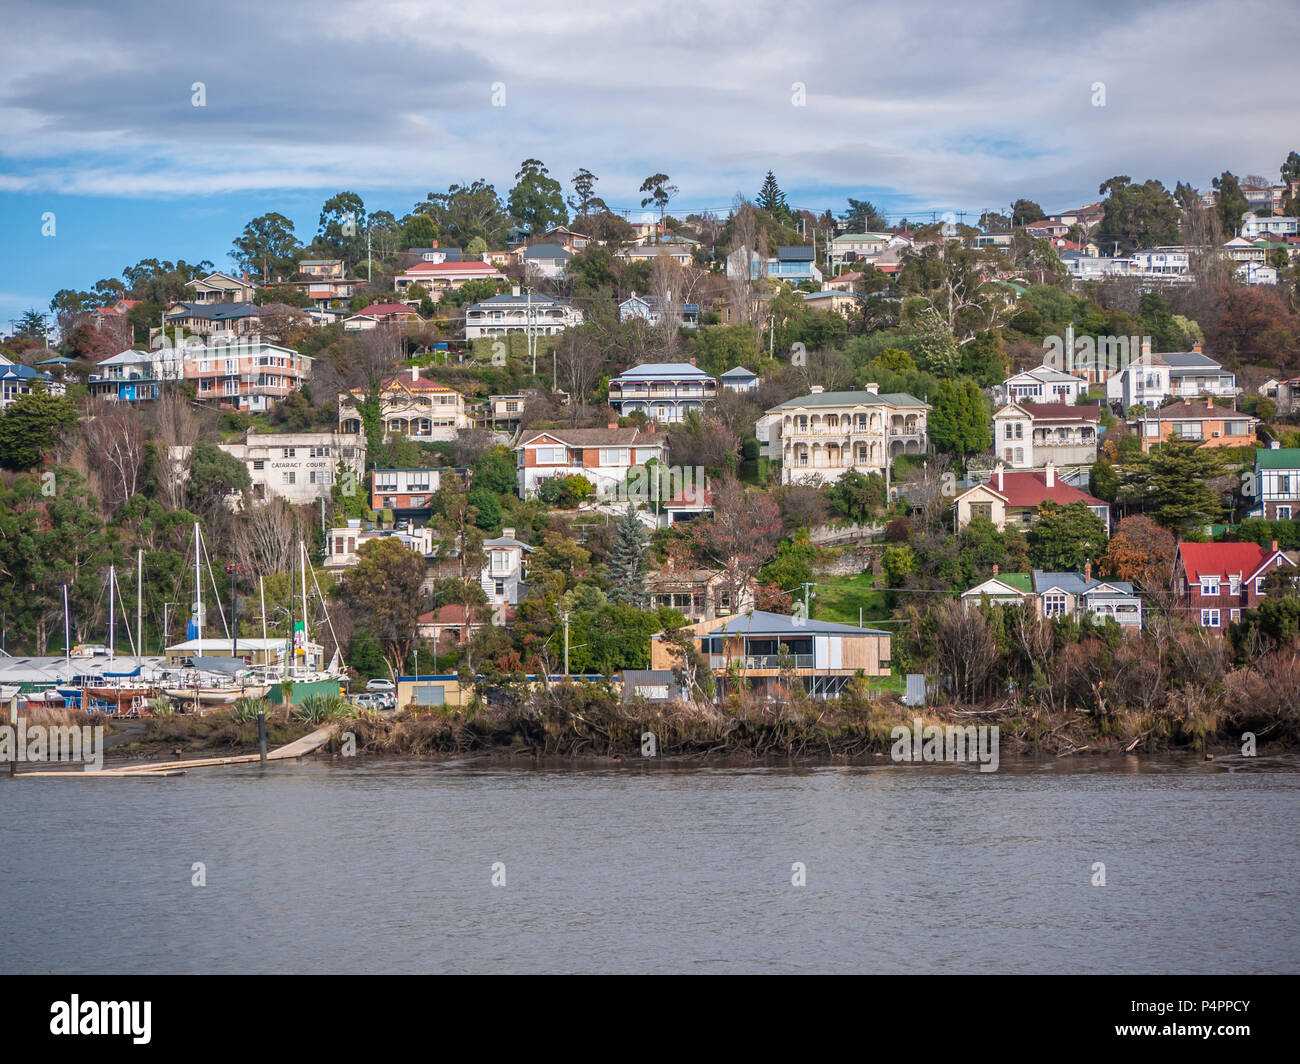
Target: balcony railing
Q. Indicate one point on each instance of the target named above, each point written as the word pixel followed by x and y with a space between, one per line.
pixel 763 661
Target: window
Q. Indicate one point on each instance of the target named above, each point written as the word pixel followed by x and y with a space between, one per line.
pixel 290 452
pixel 259 464
pixel 550 455
pixel 288 478
pixel 1209 585
pixel 1007 432
pixel 613 456
pixel 1234 616
pixel 1054 604
pixel 1284 513
pixel 1234 585
pixel 981 509
pixel 500 561
pixel 501 587
pixel 1209 618
pixel 1020 456
pixel 1284 484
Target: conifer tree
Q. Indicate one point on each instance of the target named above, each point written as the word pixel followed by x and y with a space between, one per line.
pixel 626 565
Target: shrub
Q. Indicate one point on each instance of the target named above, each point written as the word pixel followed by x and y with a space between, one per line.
pixel 319 709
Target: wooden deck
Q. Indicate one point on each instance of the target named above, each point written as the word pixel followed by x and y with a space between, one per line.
pixel 298 748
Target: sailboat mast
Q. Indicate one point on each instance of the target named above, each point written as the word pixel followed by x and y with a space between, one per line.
pixel 67 628
pixel 292 659
pixel 306 634
pixel 139 602
pixel 198 590
pixel 261 594
pixel 112 579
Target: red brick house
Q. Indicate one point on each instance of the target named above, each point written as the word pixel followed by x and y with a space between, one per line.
pixel 1219 580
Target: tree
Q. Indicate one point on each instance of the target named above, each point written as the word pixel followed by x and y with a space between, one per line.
pixel 626 565
pixel 584 191
pixel 267 247
pixel 33 426
pixel 342 227
pixel 466 211
pixel 115 435
pixel 383 591
pixel 1064 537
pixel 772 199
pixel 703 441
pixel 857 496
pixel 898 561
pixel 1231 202
pixel 1136 215
pixel 1024 211
pixel 536 201
pixel 742 535
pixel 959 422
pixel 659 192
pixel 1172 483
pixel 862 217
pixel 420 231
pixel 1141 552
pixel 214 474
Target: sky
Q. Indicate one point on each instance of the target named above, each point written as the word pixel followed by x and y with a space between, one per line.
pixel 921 107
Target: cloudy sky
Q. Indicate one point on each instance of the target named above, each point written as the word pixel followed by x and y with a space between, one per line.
pixel 918 107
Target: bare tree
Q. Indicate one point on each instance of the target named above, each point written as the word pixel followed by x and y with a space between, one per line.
pixel 742 535
pixel 578 364
pixel 176 431
pixel 267 535
pixel 666 285
pixel 117 441
pixel 965 647
pixel 748 242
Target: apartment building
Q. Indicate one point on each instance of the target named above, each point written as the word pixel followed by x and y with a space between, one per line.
pixel 406 492
pixel 245 374
pixel 299 467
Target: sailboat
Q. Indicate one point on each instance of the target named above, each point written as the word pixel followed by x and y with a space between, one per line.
pixel 125 691
pixel 212 680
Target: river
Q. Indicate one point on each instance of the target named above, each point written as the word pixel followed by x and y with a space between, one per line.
pixel 387 866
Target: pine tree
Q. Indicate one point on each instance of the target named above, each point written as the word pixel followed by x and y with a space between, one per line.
pixel 770 196
pixel 626 564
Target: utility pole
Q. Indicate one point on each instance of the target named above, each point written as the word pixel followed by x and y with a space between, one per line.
pixel 565 618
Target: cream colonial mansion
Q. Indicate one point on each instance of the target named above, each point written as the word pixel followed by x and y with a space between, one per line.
pixel 824 434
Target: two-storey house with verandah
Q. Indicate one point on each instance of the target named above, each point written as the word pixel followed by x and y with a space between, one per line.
pixel 824 434
pixel 411 406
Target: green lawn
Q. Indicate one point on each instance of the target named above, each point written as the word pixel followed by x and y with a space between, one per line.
pixel 839 602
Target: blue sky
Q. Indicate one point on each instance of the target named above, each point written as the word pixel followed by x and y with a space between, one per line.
pixel 917 107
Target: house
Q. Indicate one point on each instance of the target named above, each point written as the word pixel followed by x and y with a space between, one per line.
pixel 436 277
pixel 377 314
pixel 739 379
pixel 1152 378
pixel 408 493
pixel 246 375
pixel 221 288
pixel 215 321
pixel 697 594
pixel 136 376
pixel 1285 393
pixel 411 406
pixel 1074 595
pixel 1043 384
pixel 845 304
pixel 664 391
pixel 991 240
pixel 449 626
pixel 1239 249
pixel 299 467
pixel 1212 426
pixel 653 685
pixel 1171 263
pixel 503 410
pixel 843 283
pixel 1045 228
pixel 648 309
pixel 603 456
pixel 544 260
pixel 569 240
pixel 1277 483
pixel 513 312
pixel 852 247
pixel 1253 226
pixel 322 269
pixel 118 310
pixel 820 436
pixel 1257 273
pixel 17 380
pixel 324 292
pixel 1012 499
pixel 770 649
pixel 1218 580
pixel 1030 435
pixel 343 545
pixel 795 265
pixel 682 254
pixel 504 575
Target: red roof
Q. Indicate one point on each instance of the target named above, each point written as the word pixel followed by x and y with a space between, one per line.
pixel 1223 560
pixel 1027 490
pixel 386 308
pixel 452 267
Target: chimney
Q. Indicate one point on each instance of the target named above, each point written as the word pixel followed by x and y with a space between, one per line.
pixel 507 533
pixel 816 389
pixel 995 568
pixel 692 360
pixel 1273 445
pixel 1273 547
pixel 1146 347
pixel 1001 483
pixel 613 424
pixel 1209 402
pixel 434 244
pixel 650 427
pixel 1197 348
pixel 415 373
pixel 1049 474
pixel 1087 571
pixel 873 387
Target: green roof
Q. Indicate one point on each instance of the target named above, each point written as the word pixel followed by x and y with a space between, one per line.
pixel 1017 581
pixel 852 399
pixel 1278 458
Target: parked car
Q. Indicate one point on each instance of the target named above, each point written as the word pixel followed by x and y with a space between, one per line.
pixel 371 701
pixel 380 685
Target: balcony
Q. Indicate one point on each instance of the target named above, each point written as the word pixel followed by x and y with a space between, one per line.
pixel 763 661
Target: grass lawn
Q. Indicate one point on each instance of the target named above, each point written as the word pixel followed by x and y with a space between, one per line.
pixel 838 599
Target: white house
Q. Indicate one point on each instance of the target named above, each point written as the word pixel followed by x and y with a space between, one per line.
pixel 1032 435
pixel 739 379
pixel 648 309
pixel 1254 226
pixel 1043 384
pixel 504 574
pixel 1154 377
pixel 664 391
pixel 299 467
pixel 515 312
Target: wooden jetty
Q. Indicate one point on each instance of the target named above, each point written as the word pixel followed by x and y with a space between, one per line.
pixel 298 748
